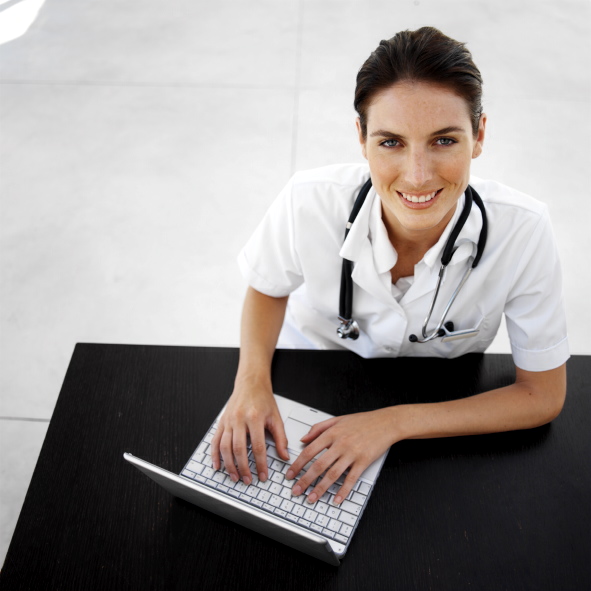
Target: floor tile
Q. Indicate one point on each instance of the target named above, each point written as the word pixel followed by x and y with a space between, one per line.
pixel 227 43
pixel 20 443
pixel 123 212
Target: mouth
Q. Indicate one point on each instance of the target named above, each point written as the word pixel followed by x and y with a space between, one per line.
pixel 419 201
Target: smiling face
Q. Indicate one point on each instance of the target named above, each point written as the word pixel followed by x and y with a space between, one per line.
pixel 419 146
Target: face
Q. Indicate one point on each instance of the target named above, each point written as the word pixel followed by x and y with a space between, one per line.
pixel 419 146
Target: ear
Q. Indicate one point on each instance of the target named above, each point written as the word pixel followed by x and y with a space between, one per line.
pixel 477 150
pixel 361 138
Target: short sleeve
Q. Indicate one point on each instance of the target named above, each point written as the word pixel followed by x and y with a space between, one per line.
pixel 269 261
pixel 534 310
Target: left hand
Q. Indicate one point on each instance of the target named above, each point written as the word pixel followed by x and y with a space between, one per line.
pixel 351 441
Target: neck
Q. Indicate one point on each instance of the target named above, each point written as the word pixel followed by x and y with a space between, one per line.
pixel 416 241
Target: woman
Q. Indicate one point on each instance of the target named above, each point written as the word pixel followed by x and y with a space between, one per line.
pixel 420 124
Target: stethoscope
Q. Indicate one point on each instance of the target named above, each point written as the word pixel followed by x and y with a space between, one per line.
pixel 349 329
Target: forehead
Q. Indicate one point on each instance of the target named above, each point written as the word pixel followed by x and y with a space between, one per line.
pixel 417 105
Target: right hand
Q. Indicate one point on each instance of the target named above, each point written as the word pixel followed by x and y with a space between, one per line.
pixel 250 410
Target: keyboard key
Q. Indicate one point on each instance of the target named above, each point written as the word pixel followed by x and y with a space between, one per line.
pixel 333 489
pixel 280 512
pixel 364 488
pixel 200 478
pixel 351 507
pixel 207 461
pixel 285 468
pixel 304 522
pixel 268 507
pixel 348 518
pixel 358 498
pixel 298 510
pixel 277 477
pixel 233 492
pixel 311 515
pixel 275 501
pixel 198 457
pixel 264 495
pixel 222 488
pixel 287 505
pixel 322 520
pixel 188 473
pixel 333 512
pixel 275 488
pixel 325 497
pixel 334 525
pixel 272 452
pixel 257 502
pixel 346 529
pixel 277 465
pixel 292 517
pixel 219 477
pixel 245 497
pixel 341 538
pixel 316 527
pixel 229 482
pixel 207 472
pixel 298 500
pixel 252 491
pixel 321 507
pixel 240 486
pixel 194 467
pixel 328 533
pixel 203 447
pixel 264 485
pixel 285 492
pixel 209 437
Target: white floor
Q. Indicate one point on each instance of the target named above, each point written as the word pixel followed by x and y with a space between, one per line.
pixel 142 141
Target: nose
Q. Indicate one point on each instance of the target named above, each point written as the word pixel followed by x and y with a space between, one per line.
pixel 418 169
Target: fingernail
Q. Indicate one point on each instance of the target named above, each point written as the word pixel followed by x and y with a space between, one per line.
pixel 312 498
pixel 262 477
pixel 296 490
pixel 338 499
pixel 247 480
pixel 289 475
pixel 234 477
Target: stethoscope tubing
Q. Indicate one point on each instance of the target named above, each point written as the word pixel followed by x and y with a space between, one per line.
pixel 350 329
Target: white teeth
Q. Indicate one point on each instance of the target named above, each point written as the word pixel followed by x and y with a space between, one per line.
pixel 421 199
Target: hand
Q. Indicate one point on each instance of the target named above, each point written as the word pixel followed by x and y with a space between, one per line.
pixel 249 411
pixel 351 441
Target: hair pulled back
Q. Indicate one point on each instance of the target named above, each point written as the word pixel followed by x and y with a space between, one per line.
pixel 424 55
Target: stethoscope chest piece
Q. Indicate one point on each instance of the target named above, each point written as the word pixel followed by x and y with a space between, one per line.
pixel 349 329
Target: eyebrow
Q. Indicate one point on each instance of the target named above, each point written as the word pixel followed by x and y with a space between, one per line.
pixel 445 130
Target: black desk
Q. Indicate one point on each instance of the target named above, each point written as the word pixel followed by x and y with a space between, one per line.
pixel 505 511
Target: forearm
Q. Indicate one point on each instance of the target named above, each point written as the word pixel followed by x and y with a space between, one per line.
pixel 529 402
pixel 262 318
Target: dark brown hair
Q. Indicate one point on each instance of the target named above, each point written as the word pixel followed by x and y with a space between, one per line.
pixel 424 55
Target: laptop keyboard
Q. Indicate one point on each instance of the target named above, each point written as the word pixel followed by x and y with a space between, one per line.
pixel 323 517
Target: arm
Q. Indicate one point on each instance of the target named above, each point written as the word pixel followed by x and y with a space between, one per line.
pixel 251 407
pixel 534 399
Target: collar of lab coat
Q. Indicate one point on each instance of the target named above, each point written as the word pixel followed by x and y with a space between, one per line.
pixel 369 247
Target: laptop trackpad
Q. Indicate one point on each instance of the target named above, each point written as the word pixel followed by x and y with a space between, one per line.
pixel 295 430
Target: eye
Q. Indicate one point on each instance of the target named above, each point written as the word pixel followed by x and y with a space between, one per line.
pixel 445 141
pixel 390 143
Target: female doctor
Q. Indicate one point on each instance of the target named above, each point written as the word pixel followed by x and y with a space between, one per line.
pixel 418 97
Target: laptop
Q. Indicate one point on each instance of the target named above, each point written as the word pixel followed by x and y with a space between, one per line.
pixel 322 529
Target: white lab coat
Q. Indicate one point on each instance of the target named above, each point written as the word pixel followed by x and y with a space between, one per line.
pixel 298 247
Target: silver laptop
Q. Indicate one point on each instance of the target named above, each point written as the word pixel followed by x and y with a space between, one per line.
pixel 322 529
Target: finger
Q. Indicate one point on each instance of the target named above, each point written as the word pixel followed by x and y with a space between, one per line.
pixel 277 430
pixel 228 454
pixel 240 454
pixel 348 485
pixel 331 476
pixel 307 454
pixel 259 450
pixel 313 472
pixel 215 448
pixel 318 429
